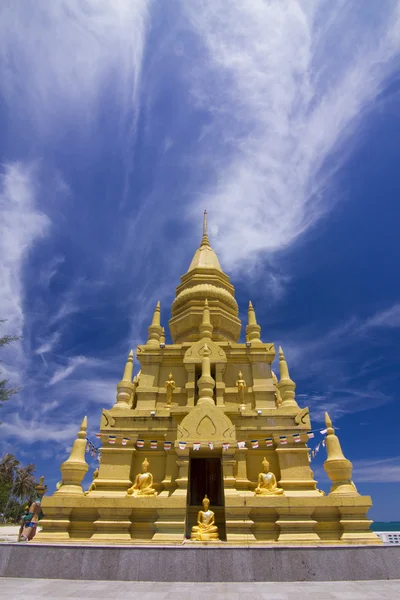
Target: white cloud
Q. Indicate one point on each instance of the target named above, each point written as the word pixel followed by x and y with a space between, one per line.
pixel 21 225
pixel 385 318
pixel 284 83
pixel 386 470
pixel 48 344
pixel 64 372
pixel 31 431
pixel 56 57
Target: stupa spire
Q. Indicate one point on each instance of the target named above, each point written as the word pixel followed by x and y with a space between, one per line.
pixel 155 329
pixel 206 327
pixel 204 240
pixel 253 330
pixel 286 386
pixel 73 470
pixel 125 388
pixel 206 383
pixel 338 468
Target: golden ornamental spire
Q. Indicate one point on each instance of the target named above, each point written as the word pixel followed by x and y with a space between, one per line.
pixel 206 383
pixel 286 386
pixel 206 327
pixel 253 330
pixel 128 371
pixel 126 387
pixel 204 240
pixel 155 329
pixel 338 468
pixel 73 470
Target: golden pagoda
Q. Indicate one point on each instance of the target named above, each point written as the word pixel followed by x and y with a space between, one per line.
pixel 206 424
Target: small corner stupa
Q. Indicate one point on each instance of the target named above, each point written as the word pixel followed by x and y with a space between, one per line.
pixel 206 423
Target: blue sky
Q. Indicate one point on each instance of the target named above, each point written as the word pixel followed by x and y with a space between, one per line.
pixel 121 121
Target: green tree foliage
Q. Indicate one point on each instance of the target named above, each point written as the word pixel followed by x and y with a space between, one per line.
pixel 6 392
pixel 17 487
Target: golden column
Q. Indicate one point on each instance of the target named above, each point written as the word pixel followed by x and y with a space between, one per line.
pixel 74 469
pixel 206 383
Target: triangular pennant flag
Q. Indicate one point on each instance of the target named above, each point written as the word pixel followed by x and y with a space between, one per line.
pixel 225 446
pixel 211 445
pixel 196 446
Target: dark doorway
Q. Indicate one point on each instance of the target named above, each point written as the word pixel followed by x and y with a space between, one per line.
pixel 205 478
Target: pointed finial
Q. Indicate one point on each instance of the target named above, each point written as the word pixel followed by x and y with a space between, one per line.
pixel 206 327
pixel 286 386
pixel 338 468
pixel 155 329
pixel 162 336
pixel 205 241
pixel 75 467
pixel 128 371
pixel 206 382
pixel 253 330
pixel 328 423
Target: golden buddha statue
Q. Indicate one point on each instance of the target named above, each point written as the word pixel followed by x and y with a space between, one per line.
pixel 205 529
pixel 241 386
pixel 143 483
pixel 93 484
pixel 169 386
pixel 267 482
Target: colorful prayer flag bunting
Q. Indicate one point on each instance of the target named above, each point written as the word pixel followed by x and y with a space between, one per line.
pixel 125 441
pixel 254 444
pixel 211 445
pixel 167 445
pixel 310 435
pixel 225 446
pixel 140 443
pixel 111 439
pixel 296 437
pixel 98 435
pixel 182 445
pixel 196 446
pixel 269 441
pixel 153 444
pixel 283 439
pixel 241 444
pixel 323 431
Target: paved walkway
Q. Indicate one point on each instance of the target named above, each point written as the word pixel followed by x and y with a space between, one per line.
pixel 115 590
pixel 9 533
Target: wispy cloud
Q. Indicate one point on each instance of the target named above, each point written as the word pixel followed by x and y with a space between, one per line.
pixel 284 84
pixel 64 372
pixel 21 225
pixel 386 470
pixel 386 318
pixel 32 430
pixel 66 53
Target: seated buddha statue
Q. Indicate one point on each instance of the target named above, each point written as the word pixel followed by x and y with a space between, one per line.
pixel 205 528
pixel 267 482
pixel 143 485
